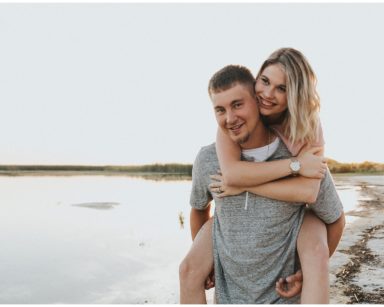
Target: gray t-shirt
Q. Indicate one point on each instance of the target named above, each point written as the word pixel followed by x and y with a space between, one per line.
pixel 255 245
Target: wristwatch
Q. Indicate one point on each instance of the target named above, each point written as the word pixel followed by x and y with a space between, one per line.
pixel 294 166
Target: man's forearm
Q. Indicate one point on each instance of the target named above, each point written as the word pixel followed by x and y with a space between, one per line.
pixel 334 233
pixel 198 219
pixel 293 189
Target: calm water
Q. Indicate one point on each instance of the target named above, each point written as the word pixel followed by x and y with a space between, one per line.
pixel 98 239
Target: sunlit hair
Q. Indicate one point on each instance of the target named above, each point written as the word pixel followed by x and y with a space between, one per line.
pixel 301 121
pixel 230 76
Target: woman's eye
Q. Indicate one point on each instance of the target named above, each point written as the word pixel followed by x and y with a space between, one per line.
pixel 265 81
pixel 282 89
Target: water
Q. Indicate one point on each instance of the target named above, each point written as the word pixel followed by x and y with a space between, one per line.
pixel 97 239
pixel 349 188
pixel 54 250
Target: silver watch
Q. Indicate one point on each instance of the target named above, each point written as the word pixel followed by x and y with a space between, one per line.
pixel 294 166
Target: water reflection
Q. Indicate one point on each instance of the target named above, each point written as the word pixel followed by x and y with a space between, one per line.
pixel 98 206
pixel 162 177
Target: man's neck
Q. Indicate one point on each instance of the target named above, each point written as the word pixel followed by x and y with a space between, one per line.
pixel 260 137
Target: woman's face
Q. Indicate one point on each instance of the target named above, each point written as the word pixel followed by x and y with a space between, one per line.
pixel 271 91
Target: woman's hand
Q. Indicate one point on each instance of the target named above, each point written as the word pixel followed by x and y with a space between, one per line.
pixel 312 163
pixel 219 187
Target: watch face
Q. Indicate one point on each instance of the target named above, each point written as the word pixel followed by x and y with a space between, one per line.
pixel 295 166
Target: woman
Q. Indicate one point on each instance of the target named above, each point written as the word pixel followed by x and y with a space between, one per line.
pixel 288 101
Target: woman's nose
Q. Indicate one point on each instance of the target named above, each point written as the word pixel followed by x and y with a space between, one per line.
pixel 268 92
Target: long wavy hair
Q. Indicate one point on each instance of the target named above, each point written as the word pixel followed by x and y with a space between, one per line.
pixel 301 119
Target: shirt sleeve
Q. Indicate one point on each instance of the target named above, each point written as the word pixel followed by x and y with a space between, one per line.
pixel 200 194
pixel 328 206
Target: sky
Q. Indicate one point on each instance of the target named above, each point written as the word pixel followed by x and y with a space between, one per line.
pixel 126 83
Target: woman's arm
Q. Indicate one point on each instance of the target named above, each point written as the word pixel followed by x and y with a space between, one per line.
pixel 299 189
pixel 239 173
pixel 292 189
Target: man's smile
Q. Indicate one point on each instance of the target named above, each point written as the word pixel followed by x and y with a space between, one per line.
pixel 235 128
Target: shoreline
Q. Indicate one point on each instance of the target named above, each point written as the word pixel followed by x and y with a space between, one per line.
pixel 357 267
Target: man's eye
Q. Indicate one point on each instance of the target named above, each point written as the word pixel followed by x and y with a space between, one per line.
pixel 237 105
pixel 219 111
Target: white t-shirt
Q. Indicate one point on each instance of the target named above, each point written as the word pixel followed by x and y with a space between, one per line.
pixel 262 153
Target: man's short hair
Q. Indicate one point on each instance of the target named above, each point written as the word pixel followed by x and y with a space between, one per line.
pixel 230 76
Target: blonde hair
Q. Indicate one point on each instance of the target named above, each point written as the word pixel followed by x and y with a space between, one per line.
pixel 301 121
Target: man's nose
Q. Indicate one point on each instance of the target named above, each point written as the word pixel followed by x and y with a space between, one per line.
pixel 231 117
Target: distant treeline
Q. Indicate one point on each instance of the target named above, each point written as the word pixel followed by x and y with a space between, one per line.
pixel 364 167
pixel 174 168
pixel 150 168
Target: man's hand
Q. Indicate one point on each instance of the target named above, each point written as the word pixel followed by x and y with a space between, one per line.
pixel 219 187
pixel 210 281
pixel 290 286
pixel 313 165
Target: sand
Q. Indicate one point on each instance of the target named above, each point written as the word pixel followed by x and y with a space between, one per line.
pixel 357 267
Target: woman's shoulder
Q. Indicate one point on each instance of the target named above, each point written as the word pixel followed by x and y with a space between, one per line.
pixel 295 148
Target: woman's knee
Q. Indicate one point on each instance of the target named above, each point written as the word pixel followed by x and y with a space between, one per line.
pixel 190 272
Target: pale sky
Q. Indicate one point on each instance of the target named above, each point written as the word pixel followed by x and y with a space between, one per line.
pixel 127 83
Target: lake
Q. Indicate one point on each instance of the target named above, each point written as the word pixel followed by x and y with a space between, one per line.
pixel 100 239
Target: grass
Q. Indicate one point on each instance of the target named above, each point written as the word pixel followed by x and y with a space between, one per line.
pixel 150 168
pixel 365 167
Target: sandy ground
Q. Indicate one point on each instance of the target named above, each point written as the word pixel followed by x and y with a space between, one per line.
pixel 357 267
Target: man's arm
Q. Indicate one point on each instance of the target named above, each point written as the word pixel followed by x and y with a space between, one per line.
pixel 198 219
pixel 334 233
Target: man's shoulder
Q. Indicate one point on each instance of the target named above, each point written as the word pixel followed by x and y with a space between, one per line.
pixel 206 160
pixel 207 152
pixel 281 151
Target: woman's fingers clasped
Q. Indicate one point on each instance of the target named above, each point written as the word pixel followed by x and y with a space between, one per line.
pixel 216 185
pixel 216 188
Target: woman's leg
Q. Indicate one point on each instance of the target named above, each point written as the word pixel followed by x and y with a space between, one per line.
pixel 313 252
pixel 196 267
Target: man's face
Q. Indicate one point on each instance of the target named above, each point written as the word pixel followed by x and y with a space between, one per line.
pixel 236 113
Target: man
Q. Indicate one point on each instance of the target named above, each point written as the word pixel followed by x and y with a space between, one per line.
pixel 254 237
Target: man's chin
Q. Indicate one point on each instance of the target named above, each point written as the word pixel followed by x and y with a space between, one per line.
pixel 240 140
